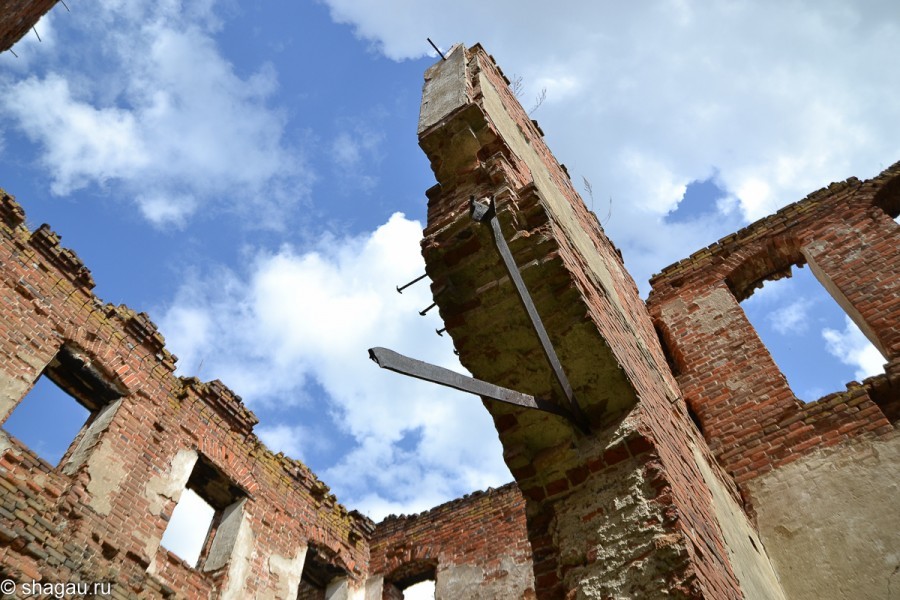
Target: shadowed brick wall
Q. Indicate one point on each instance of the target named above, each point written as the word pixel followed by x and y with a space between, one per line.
pixel 17 17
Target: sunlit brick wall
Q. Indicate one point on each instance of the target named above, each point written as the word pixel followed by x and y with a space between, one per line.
pixel 101 513
pixel 748 413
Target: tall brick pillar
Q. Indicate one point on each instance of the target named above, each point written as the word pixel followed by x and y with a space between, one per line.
pixel 18 17
pixel 636 508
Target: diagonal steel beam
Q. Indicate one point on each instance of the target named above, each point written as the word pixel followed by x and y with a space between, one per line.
pixel 487 212
pixel 394 361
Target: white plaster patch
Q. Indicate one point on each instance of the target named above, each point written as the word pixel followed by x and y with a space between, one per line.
pixel 595 528
pixel 445 88
pixel 243 552
pixel 107 474
pixel 341 589
pixel 289 572
pixel 91 436
pixel 711 318
pixel 829 521
pixel 512 579
pixel 12 390
pixel 169 486
pixel 158 490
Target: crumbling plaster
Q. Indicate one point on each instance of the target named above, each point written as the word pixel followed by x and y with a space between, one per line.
pixel 830 521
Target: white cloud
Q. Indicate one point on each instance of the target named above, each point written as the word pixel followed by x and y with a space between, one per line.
pixel 166 210
pixel 298 319
pixel 852 348
pixel 781 98
pixel 293 440
pixel 88 144
pixel 167 113
pixel 792 318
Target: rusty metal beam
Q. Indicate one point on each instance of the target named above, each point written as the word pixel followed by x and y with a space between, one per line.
pixel 394 361
pixel 487 212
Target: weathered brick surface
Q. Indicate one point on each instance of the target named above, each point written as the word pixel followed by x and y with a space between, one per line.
pixel 641 441
pixel 17 17
pixel 486 529
pixel 102 520
pixel 748 413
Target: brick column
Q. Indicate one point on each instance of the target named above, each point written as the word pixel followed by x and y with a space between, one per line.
pixel 624 510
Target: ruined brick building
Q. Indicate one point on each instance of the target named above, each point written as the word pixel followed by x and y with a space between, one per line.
pixel 691 471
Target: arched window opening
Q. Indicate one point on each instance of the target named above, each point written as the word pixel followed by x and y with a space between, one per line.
pixel 813 342
pixel 412 581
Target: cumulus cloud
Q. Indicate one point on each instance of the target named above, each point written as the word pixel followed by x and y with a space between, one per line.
pixel 778 98
pixel 852 348
pixel 153 111
pixel 296 326
pixel 792 318
pixel 293 440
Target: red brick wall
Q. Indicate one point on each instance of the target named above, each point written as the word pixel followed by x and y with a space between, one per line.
pixel 476 530
pixel 749 415
pixel 103 522
pixel 17 17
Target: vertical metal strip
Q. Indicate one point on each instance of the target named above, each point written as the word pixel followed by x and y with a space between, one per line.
pixel 515 276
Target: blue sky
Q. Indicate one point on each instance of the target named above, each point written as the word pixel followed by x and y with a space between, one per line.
pixel 248 174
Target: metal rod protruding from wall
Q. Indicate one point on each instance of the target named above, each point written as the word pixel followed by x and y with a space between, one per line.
pixel 436 49
pixel 440 332
pixel 400 288
pixel 396 362
pixel 427 308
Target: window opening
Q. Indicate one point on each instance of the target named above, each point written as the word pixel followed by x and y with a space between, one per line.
pixel 61 411
pixel 414 581
pixel 47 437
pixel 189 527
pixel 203 526
pixel 815 345
pixel 424 590
pixel 317 574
